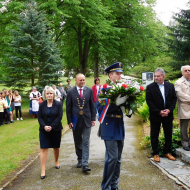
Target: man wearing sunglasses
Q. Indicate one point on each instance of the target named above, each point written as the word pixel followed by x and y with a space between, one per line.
pixel 182 88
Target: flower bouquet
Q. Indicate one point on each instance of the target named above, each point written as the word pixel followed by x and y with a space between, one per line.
pixel 131 89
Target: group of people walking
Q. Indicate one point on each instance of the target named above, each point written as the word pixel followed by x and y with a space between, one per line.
pixel 9 102
pixel 81 116
pixel 81 105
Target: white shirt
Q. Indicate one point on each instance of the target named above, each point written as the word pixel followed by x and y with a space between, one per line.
pixel 162 90
pixel 78 89
pixel 97 87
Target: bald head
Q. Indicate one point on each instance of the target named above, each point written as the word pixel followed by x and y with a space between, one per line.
pixel 80 80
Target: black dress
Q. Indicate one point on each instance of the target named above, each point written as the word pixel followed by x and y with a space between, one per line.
pixel 50 139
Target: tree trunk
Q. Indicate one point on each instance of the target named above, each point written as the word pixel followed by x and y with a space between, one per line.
pixel 96 61
pixel 32 77
pixel 83 52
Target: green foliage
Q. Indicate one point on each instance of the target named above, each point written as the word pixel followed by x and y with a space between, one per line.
pixel 143 112
pixel 107 31
pixel 179 36
pixel 176 141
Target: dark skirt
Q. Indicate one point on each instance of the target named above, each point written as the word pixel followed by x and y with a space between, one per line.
pixel 50 139
pixel 12 106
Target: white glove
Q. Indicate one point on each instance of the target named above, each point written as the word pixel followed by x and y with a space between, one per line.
pixel 129 114
pixel 123 109
pixel 120 100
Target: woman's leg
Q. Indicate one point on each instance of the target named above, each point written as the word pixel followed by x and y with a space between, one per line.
pixel 16 110
pixel 43 159
pixel 56 155
pixel 20 112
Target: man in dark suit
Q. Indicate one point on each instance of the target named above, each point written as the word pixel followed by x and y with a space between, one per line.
pixel 81 117
pixel 161 99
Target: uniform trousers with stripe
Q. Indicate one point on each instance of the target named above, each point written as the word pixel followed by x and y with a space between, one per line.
pixel 112 164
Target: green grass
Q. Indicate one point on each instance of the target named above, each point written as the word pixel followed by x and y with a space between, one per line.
pixel 21 139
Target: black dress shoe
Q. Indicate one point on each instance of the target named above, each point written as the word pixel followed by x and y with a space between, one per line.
pixel 86 169
pixel 115 189
pixel 186 148
pixel 57 167
pixel 43 177
pixel 79 165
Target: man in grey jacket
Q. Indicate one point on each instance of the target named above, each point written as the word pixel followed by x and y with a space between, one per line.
pixel 182 88
pixel 81 117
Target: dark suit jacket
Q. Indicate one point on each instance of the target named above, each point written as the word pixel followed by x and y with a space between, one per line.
pixel 72 107
pixel 56 115
pixel 155 101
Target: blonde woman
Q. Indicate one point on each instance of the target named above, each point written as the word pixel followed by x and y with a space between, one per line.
pixel 17 102
pixel 49 117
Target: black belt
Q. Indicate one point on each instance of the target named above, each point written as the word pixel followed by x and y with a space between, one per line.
pixel 114 115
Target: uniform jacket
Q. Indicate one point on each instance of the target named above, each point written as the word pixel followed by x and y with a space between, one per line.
pixel 94 89
pixel 72 107
pixel 155 101
pixel 111 128
pixel 56 115
pixel 182 88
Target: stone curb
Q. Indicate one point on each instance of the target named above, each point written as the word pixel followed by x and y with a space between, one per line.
pixel 183 154
pixel 179 183
pixel 23 169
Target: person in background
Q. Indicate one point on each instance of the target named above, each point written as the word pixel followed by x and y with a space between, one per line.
pixel 182 88
pixel 57 93
pixel 11 97
pixel 34 102
pixel 63 93
pixel 8 110
pixel 49 117
pixel 2 106
pixel 161 100
pixel 17 103
pixel 96 89
pixel 68 86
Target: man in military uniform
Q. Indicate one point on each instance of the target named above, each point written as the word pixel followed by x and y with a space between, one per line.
pixel 112 131
pixel 68 86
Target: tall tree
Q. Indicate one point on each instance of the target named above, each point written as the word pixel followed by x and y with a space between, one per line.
pixel 179 38
pixel 34 59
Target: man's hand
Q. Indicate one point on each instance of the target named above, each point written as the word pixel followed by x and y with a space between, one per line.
pixel 93 123
pixel 164 113
pixel 120 100
pixel 48 128
pixel 70 125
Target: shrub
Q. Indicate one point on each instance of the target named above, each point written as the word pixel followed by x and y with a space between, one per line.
pixel 143 112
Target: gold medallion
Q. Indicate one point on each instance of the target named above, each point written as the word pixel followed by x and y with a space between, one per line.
pixel 81 112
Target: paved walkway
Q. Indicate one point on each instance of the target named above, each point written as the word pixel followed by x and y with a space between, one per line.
pixel 137 172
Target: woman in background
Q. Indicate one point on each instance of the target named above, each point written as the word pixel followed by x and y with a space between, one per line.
pixel 8 110
pixel 11 98
pixel 17 99
pixel 49 117
pixel 34 102
pixel 96 88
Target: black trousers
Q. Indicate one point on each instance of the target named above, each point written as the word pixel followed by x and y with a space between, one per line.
pixel 154 134
pixel 1 118
pixel 18 108
pixel 6 115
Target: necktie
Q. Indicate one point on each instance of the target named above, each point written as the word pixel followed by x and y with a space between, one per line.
pixel 81 93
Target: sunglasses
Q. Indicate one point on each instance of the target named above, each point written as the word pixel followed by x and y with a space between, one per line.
pixel 187 70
